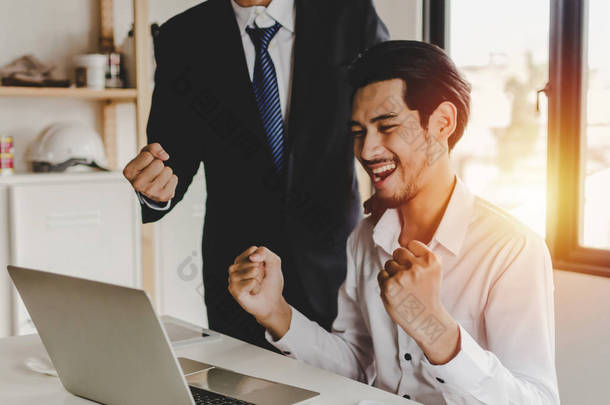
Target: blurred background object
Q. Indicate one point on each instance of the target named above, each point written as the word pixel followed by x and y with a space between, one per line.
pixel 67 146
pixel 90 70
pixel 27 70
pixel 7 153
pixel 115 72
pixel 128 56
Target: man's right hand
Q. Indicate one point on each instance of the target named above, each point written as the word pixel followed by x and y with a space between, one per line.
pixel 149 176
pixel 256 283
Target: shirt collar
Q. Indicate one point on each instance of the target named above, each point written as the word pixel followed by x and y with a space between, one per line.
pixel 282 11
pixel 450 232
pixel 387 231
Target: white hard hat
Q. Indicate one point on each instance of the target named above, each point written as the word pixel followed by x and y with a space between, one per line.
pixel 67 144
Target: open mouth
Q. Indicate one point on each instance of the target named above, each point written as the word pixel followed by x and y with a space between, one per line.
pixel 381 173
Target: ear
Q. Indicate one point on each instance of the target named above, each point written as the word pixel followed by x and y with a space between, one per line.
pixel 443 120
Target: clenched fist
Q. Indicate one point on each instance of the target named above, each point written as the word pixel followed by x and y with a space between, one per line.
pixel 256 283
pixel 410 287
pixel 149 176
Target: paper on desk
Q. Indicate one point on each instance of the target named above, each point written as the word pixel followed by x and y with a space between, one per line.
pixel 41 365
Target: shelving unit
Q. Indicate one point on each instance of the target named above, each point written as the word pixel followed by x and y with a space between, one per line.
pixel 141 95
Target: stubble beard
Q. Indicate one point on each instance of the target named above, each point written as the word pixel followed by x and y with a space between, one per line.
pixel 406 192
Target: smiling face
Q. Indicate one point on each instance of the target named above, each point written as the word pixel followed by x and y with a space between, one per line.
pixel 390 142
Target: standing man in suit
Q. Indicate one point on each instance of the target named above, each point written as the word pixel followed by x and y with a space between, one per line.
pixel 257 90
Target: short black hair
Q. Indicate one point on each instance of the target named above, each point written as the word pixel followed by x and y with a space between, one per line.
pixel 430 76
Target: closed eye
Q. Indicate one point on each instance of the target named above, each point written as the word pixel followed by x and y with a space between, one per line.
pixel 386 128
pixel 357 133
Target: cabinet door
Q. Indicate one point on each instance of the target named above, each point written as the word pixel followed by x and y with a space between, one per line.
pixel 85 229
pixel 5 282
pixel 178 260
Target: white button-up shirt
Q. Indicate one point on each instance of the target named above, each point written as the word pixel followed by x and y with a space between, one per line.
pixel 281 50
pixel 497 284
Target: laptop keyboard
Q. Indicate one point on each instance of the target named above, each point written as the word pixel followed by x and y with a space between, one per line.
pixel 203 397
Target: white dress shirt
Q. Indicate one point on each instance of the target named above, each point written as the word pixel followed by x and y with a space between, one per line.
pixel 281 50
pixel 497 284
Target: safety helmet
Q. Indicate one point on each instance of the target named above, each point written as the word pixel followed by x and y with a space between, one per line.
pixel 67 144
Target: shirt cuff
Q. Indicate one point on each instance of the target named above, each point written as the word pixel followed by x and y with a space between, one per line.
pixel 298 333
pixel 463 373
pixel 153 204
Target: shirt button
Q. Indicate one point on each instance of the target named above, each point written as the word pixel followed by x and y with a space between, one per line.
pixel 407 396
pixel 407 357
pixel 440 380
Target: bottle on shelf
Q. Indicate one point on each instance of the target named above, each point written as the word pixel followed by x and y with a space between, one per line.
pixel 7 155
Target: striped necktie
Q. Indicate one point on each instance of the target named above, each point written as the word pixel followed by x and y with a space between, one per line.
pixel 266 91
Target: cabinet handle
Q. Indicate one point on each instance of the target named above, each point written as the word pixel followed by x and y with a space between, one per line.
pixel 74 219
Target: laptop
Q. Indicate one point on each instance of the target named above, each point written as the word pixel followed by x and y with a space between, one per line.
pixel 108 345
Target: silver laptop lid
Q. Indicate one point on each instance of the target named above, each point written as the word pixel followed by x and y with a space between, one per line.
pixel 105 341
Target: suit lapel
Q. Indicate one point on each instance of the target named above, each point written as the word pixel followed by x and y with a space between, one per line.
pixel 304 56
pixel 233 80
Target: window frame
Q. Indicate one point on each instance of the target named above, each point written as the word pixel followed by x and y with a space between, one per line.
pixel 565 131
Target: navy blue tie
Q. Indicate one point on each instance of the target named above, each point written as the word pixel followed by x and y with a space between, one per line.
pixel 267 93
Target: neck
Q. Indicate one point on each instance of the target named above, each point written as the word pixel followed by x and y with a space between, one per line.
pixel 420 216
pixel 252 3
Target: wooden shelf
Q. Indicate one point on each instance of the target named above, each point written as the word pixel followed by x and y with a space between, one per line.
pixel 70 92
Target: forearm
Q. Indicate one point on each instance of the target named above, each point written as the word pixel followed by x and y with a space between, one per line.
pixel 278 322
pixel 479 374
pixel 436 333
pixel 346 353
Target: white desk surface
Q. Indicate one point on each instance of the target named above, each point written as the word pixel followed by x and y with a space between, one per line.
pixel 19 385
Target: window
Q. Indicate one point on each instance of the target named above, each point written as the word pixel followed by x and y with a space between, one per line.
pixel 549 167
pixel 595 178
pixel 502 156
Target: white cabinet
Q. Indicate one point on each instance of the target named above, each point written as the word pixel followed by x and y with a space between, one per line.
pixel 179 284
pixel 84 225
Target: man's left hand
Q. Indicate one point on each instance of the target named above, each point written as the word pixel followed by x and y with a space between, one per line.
pixel 410 287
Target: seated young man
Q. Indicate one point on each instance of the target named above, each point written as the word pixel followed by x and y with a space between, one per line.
pixel 447 299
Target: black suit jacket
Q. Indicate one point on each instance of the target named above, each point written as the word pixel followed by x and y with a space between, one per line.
pixel 203 109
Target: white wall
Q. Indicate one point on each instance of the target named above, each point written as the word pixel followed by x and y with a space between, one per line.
pixel 582 318
pixel 402 17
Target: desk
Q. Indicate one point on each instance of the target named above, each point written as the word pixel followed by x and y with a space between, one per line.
pixel 19 385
